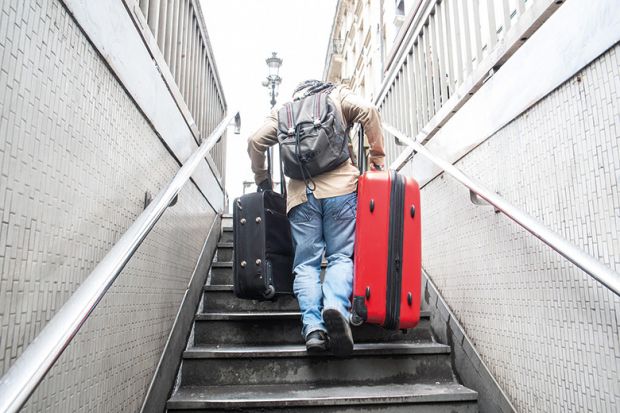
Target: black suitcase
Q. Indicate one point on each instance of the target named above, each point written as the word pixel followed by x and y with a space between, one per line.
pixel 263 247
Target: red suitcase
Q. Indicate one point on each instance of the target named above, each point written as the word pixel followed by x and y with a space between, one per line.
pixel 387 283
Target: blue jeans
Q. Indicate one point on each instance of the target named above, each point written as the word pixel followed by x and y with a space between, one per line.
pixel 323 225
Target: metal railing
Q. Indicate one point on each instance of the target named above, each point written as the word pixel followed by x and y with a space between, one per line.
pixel 24 376
pixel 450 49
pixel 181 36
pixel 587 263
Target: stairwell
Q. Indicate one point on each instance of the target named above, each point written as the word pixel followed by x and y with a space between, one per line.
pixel 249 356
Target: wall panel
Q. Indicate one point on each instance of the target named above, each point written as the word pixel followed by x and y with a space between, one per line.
pixel 76 158
pixel 548 332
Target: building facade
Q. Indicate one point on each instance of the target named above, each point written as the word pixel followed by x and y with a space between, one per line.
pixel 505 93
pixel 362 38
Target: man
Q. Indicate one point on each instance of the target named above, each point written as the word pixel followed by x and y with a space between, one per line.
pixel 322 217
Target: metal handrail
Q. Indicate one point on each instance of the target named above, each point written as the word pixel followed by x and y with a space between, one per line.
pixel 587 263
pixel 24 376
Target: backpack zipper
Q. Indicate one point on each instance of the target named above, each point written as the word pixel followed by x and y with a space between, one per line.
pixel 317 100
pixel 289 112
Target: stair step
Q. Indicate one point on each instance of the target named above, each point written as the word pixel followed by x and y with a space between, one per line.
pixel 293 350
pixel 227 233
pixel 249 316
pixel 222 298
pixel 222 272
pixel 263 315
pixel 430 397
pixel 224 252
pixel 228 264
pixel 370 364
pixel 284 327
pixel 219 264
pixel 224 287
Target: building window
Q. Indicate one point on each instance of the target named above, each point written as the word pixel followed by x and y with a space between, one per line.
pixel 400 7
pixel 338 46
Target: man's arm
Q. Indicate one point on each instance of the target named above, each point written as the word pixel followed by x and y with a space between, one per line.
pixel 258 143
pixel 357 109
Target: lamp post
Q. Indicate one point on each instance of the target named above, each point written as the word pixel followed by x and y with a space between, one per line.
pixel 272 82
pixel 273 79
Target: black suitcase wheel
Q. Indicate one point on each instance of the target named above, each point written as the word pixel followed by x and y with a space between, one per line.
pixel 270 292
pixel 359 311
pixel 356 320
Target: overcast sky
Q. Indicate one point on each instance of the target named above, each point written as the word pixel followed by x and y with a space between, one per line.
pixel 243 34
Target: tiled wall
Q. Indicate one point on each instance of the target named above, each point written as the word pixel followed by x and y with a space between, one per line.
pixel 76 157
pixel 548 332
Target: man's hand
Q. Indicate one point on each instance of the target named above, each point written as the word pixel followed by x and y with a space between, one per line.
pixel 265 185
pixel 375 167
pixel 376 163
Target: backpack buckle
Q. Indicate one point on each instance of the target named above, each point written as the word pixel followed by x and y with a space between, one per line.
pixel 317 123
pixel 290 132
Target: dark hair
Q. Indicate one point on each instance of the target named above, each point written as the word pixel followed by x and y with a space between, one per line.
pixel 313 86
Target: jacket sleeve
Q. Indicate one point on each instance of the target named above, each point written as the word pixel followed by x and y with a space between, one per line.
pixel 357 109
pixel 258 143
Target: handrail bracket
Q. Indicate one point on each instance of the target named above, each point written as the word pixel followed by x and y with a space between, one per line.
pixel 476 200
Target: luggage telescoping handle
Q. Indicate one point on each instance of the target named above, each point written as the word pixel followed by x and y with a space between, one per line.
pixel 270 163
pixel 361 155
pixel 362 159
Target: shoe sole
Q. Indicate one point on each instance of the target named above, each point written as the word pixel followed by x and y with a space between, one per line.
pixel 340 338
pixel 316 348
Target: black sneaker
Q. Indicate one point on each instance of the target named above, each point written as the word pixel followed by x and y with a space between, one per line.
pixel 340 337
pixel 316 341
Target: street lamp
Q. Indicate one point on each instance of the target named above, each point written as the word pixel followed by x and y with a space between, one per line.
pixel 273 79
pixel 272 82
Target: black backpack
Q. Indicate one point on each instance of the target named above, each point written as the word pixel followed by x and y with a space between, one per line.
pixel 312 135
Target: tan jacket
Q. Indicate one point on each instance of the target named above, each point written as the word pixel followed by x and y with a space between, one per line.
pixel 340 181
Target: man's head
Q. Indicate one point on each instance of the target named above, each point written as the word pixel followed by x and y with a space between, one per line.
pixel 310 87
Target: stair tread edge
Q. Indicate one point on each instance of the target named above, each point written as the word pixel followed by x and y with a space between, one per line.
pixel 266 395
pixel 298 350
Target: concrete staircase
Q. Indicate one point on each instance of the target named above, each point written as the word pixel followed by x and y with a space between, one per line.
pixel 249 356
